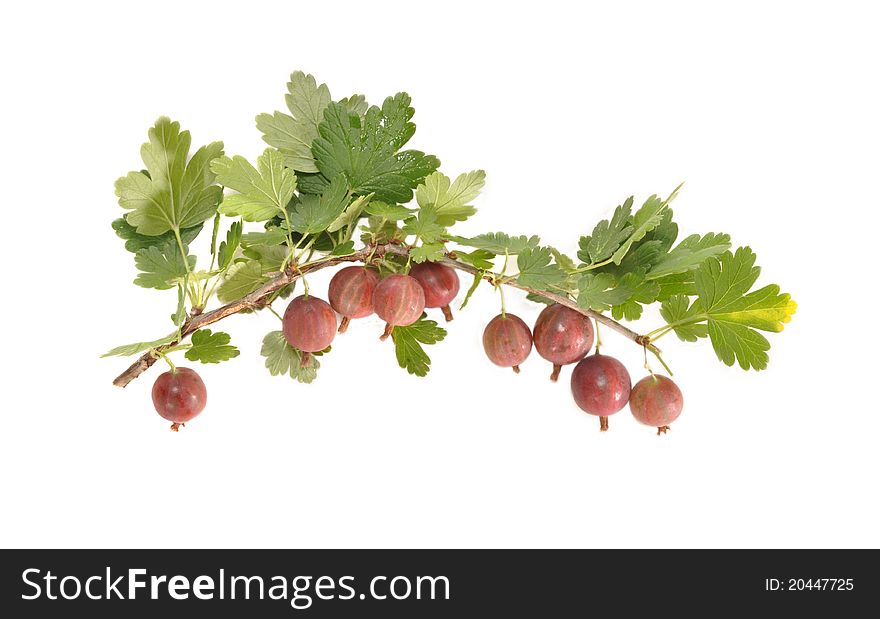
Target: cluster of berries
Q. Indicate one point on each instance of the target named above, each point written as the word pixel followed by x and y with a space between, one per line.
pixel 600 384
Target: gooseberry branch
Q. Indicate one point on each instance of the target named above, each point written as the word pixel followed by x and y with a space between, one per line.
pixel 258 300
pixel 337 175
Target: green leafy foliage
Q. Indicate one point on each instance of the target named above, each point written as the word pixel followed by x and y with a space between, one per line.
pixel 479 258
pixel 641 292
pixel 499 243
pixel 161 267
pixel 478 277
pixel 599 292
pixel 367 152
pixel 733 313
pixel 648 217
pixel 428 252
pixel 690 253
pixel 135 241
pixel 263 191
pixel 127 350
pixel 343 249
pixel 350 215
pixel 678 309
pixel 227 249
pixel 450 199
pixel 241 279
pixel 424 226
pixel 293 134
pixel 538 270
pixel 389 212
pixel 282 358
pixel 176 192
pixel 315 213
pixel 408 344
pixel 608 235
pixel 209 347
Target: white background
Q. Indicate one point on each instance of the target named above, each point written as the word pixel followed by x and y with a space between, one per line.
pixel 768 111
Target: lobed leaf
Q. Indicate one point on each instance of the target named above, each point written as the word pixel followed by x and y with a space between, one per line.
pixel 161 267
pixel 263 192
pixel 450 199
pixel 537 269
pixel 209 347
pixel 499 243
pixel 173 193
pixel 365 151
pixel 408 344
pixel 282 358
pixel 127 350
pixel 135 241
pixel 292 134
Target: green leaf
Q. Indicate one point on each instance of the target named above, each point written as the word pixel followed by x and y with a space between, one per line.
pixel 356 104
pixel 666 231
pixel 607 235
pixel 723 283
pixel 366 153
pixel 270 257
pixel 642 291
pixel 564 262
pixel 536 298
pixel 315 213
pixel 498 242
pixel 431 252
pixel 450 199
pixel 537 270
pixel 161 267
pixel 179 314
pixel 408 344
pixel 690 253
pixel 263 192
pixel 648 217
pixel 271 236
pixel 174 193
pixel 479 258
pixel 478 277
pixel 389 212
pixel 424 226
pixel 640 258
pixel 241 279
pixel 228 247
pixel 350 215
pixel 210 347
pixel 282 358
pixel 135 241
pixel 678 308
pixel 599 292
pixel 137 348
pixel 343 249
pixel 681 283
pixel 293 134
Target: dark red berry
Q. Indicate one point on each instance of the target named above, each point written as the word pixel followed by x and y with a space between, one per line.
pixel 440 284
pixel 309 324
pixel 507 341
pixel 600 386
pixel 398 300
pixel 179 396
pixel 562 336
pixel 656 401
pixel 351 293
